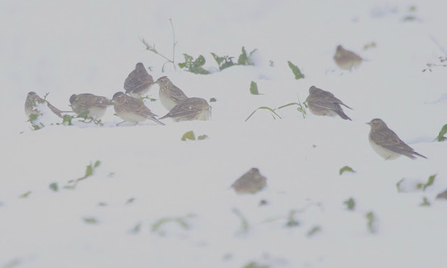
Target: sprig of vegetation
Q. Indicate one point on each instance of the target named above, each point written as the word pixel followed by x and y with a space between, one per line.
pixel 296 71
pixel 182 221
pixel 350 203
pixel 429 182
pixel 152 48
pixel 371 222
pixel 425 202
pixel 194 65
pixel 442 134
pixel 442 63
pixel 346 169
pixel 292 221
pixel 301 108
pixel 254 88
pixel 191 136
pixel 314 230
pixel 90 220
pixel 245 227
pixel 88 173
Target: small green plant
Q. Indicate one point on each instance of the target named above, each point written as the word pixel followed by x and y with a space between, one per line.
pixel 314 230
pixel 194 65
pixel 90 220
pixel 191 136
pixel 254 88
pixel 152 48
pixel 441 135
pixel 442 63
pixel 53 186
pixel 245 227
pixel 425 202
pixel 25 195
pixel 429 182
pixel 130 200
pixel 369 46
pixel 371 222
pixel 245 59
pixel 301 109
pixel 88 172
pixel 182 221
pixel 296 71
pixel 223 62
pixel 346 169
pixel 213 100
pixel 136 229
pixel 292 221
pixel 350 204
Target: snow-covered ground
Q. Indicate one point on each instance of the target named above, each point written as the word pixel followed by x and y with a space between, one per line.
pixel 157 201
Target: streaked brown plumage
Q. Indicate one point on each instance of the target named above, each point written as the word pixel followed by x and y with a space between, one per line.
pixel 250 183
pixel 170 95
pixel 138 82
pixel 386 143
pixel 347 60
pixel 33 100
pixel 90 105
pixel 324 103
pixel 131 109
pixel 190 109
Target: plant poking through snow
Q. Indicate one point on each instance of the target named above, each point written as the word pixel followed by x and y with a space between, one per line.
pixel 442 63
pixel 182 222
pixel 301 108
pixel 441 135
pixel 296 71
pixel 154 50
pixel 429 182
pixel 88 173
pixel 244 223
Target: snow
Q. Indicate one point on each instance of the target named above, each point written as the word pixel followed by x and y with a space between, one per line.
pixel 83 46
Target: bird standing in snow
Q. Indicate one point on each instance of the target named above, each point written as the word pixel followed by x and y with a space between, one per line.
pixel 170 95
pixel 347 60
pixel 190 109
pixel 138 82
pixel 324 103
pixel 386 143
pixel 89 105
pixel 131 109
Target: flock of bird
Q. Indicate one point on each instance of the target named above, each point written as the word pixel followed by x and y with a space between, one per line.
pixel 129 106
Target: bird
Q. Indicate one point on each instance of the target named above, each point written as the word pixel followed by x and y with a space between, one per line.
pixel 324 103
pixel 89 105
pixel 250 183
pixel 33 100
pixel 131 109
pixel 347 60
pixel 386 143
pixel 138 82
pixel 190 109
pixel 170 95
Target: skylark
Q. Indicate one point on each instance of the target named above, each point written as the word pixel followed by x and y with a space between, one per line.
pixel 138 82
pixel 89 105
pixel 347 60
pixel 131 109
pixel 190 109
pixel 386 143
pixel 33 100
pixel 250 183
pixel 324 103
pixel 170 95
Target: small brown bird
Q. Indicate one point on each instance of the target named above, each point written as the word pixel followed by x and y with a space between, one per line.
pixel 190 109
pixel 131 109
pixel 386 143
pixel 324 103
pixel 170 95
pixel 347 60
pixel 33 100
pixel 89 105
pixel 250 183
pixel 138 82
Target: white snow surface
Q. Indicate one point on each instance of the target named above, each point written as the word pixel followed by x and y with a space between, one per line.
pixel 67 47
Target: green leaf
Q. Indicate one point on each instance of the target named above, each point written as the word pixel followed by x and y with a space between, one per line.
pixel 25 195
pixel 245 59
pixel 213 100
pixel 189 136
pixel 90 220
pixel 430 181
pixel 102 204
pixel 296 71
pixel 130 200
pixel 254 88
pixel 180 220
pixel 292 222
pixel 371 222
pixel 346 169
pixel 314 230
pixel 202 137
pixel 88 171
pixel 54 186
pixel 136 229
pixel 425 202
pixel 442 134
pixel 194 66
pixel 244 223
pixel 223 62
pixel 97 163
pixel 350 204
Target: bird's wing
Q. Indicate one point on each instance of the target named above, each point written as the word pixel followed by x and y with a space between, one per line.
pixel 389 140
